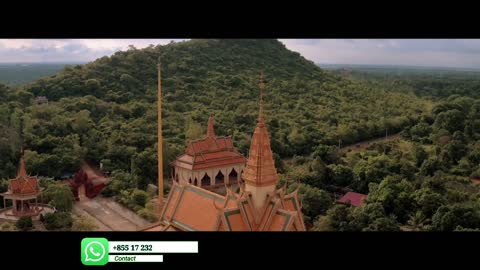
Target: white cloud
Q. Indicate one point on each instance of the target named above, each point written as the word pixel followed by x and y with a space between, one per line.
pixel 66 50
pixel 427 52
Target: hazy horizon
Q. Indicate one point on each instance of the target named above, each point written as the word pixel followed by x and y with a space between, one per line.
pixel 443 53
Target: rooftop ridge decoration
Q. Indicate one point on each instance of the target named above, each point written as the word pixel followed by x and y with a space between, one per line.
pixel 210 128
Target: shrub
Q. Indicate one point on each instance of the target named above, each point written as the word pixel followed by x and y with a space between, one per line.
pixel 24 223
pixel 147 214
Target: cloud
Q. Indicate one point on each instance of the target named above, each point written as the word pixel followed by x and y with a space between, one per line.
pixel 66 50
pixel 412 52
pixel 425 52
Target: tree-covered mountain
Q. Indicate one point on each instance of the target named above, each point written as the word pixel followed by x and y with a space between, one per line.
pixel 105 111
pixel 17 74
pixel 429 82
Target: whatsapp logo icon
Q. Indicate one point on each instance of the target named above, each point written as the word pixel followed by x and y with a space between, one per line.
pixel 94 251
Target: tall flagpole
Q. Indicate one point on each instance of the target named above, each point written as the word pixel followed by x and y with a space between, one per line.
pixel 160 137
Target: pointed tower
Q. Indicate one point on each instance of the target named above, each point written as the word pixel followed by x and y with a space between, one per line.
pixel 210 129
pixel 260 174
pixel 22 172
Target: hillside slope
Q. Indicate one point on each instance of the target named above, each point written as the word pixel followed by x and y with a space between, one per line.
pixel 105 110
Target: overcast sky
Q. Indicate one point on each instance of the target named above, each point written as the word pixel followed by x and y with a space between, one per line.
pixel 411 52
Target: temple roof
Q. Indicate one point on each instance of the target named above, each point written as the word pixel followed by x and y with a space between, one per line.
pixel 190 208
pixel 23 184
pixel 211 151
pixel 260 169
pixel 353 198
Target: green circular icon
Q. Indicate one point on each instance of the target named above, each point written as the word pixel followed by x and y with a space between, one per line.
pixel 94 251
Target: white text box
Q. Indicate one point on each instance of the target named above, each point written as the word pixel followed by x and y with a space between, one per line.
pixel 153 246
pixel 135 258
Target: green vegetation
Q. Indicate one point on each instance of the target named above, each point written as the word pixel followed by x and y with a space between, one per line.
pixel 7 227
pixel 60 196
pixel 433 83
pixel 59 221
pixel 105 111
pixel 422 182
pixel 17 74
pixel 83 223
pixel 24 224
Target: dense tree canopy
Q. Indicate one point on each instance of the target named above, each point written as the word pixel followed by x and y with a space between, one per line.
pixel 105 112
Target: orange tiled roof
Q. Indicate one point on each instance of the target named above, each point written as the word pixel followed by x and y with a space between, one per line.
pixel 190 208
pixel 23 183
pixel 209 152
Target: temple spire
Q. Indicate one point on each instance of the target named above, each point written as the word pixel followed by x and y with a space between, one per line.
pixel 160 138
pixel 210 129
pixel 260 174
pixel 261 121
pixel 22 172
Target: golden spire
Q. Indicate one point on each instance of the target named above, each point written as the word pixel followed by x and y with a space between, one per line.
pixel 260 168
pixel 160 137
pixel 210 129
pixel 261 121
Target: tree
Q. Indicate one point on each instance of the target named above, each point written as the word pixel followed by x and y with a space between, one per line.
pixel 340 217
pixel 60 196
pixel 430 166
pixel 140 197
pixel 322 223
pixel 144 167
pixel 83 223
pixel 340 174
pixel 58 221
pixel 371 217
pixel 417 221
pixel 385 224
pixel 193 131
pixel 315 201
pixel 420 132
pixel 82 122
pixel 24 223
pixel 428 201
pixel 451 120
pixel 447 218
pixel 394 194
pixel 420 155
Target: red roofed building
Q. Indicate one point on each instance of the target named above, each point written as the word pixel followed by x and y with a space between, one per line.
pixel 88 182
pixel 209 162
pixel 23 191
pixel 259 206
pixel 353 198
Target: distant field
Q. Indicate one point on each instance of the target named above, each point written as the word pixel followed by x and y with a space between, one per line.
pixel 17 74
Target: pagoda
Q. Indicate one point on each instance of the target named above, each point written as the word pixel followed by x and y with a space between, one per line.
pixel 258 206
pixel 23 191
pixel 210 162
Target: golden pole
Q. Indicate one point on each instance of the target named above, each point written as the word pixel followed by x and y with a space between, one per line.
pixel 160 138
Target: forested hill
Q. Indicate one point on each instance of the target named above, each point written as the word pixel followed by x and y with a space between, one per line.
pixel 17 74
pixel 105 110
pixel 193 66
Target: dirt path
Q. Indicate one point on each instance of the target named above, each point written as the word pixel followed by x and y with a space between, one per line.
pixel 359 145
pixel 38 225
pixel 364 144
pixel 109 215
